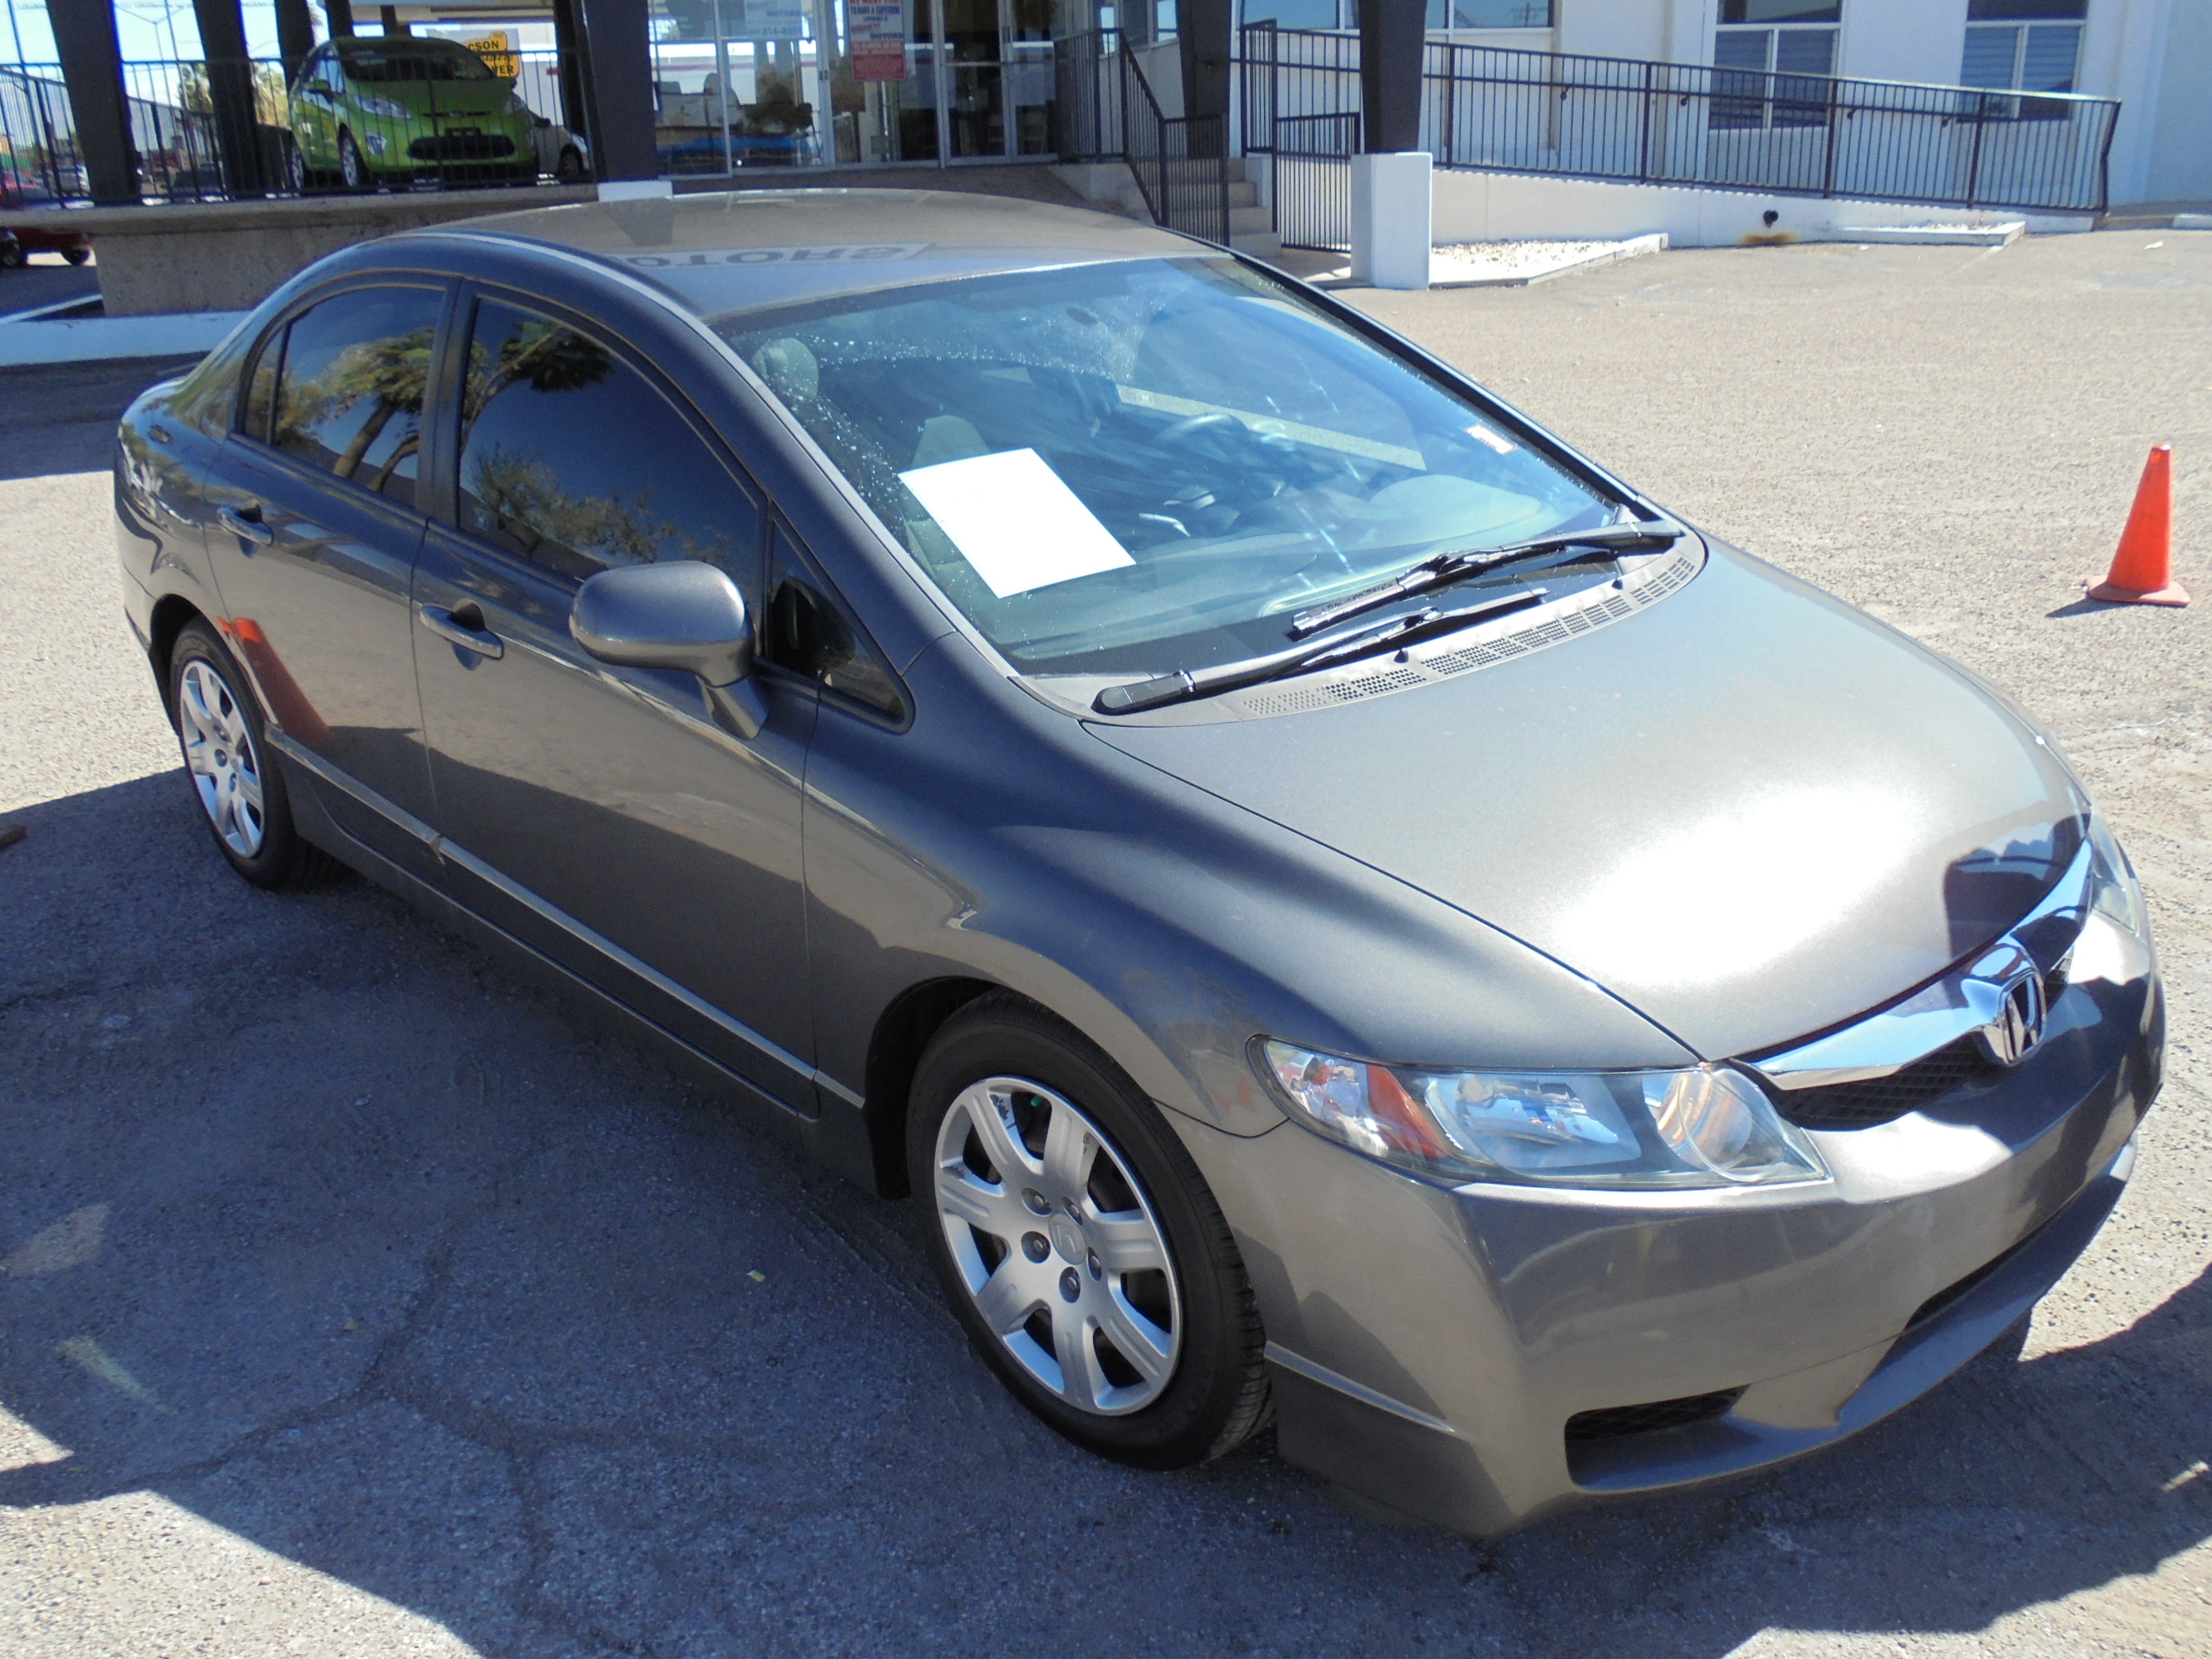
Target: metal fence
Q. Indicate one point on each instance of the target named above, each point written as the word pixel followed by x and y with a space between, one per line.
pixel 1610 118
pixel 224 130
pixel 1086 111
pixel 1649 123
pixel 1106 108
pixel 1298 97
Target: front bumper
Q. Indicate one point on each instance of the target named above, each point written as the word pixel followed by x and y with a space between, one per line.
pixel 1429 1346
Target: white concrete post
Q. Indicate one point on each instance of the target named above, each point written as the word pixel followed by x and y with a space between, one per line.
pixel 1391 218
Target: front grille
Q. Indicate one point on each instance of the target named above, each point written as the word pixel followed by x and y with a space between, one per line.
pixel 1612 1422
pixel 1882 1099
pixel 462 147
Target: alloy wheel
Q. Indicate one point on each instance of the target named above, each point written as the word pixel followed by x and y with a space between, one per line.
pixel 225 765
pixel 1054 1241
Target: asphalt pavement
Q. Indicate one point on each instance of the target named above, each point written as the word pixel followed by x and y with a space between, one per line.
pixel 352 1301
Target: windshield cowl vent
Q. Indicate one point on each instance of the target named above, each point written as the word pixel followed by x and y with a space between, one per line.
pixel 1464 653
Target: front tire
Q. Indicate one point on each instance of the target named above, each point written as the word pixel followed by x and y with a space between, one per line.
pixel 569 169
pixel 242 798
pixel 1077 1244
pixel 353 171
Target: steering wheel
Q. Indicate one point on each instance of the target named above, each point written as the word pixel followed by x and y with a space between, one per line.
pixel 1214 424
pixel 1223 438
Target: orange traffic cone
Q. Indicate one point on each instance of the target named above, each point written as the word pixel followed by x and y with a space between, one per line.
pixel 2142 570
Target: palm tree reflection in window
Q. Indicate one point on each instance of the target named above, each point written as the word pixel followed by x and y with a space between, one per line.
pixel 514 488
pixel 393 372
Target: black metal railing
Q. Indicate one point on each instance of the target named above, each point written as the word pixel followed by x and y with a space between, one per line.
pixel 1181 161
pixel 1086 111
pixel 1628 120
pixel 219 130
pixel 1298 105
pixel 1604 118
pixel 1105 108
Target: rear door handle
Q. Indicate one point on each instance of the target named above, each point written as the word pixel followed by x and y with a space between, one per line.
pixel 464 626
pixel 246 524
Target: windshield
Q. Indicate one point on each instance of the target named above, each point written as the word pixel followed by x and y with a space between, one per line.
pixel 1146 464
pixel 423 59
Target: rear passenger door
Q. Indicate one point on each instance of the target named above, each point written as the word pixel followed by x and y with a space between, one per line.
pixel 600 814
pixel 313 540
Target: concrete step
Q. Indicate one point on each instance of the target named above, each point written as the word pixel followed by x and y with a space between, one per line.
pixel 1264 244
pixel 1245 220
pixel 1242 194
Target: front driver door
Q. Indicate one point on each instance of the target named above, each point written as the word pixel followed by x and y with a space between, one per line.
pixel 312 539
pixel 599 814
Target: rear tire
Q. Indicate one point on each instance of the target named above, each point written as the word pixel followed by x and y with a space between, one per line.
pixel 76 256
pixel 1078 1243
pixel 11 255
pixel 569 169
pixel 241 796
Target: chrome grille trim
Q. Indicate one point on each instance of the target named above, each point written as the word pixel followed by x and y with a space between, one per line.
pixel 1960 1004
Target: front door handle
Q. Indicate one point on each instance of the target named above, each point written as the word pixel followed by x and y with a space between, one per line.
pixel 464 626
pixel 247 525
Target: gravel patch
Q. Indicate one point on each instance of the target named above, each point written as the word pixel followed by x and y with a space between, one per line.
pixel 1521 258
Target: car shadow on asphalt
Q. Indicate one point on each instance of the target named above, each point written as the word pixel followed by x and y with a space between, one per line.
pixel 321 1226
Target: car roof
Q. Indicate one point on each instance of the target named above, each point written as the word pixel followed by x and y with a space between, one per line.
pixel 726 252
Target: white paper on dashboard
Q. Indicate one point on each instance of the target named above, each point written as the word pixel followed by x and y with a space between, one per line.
pixel 1015 521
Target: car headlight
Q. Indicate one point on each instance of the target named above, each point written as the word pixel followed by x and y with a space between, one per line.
pixel 2114 889
pixel 1704 1126
pixel 515 105
pixel 390 108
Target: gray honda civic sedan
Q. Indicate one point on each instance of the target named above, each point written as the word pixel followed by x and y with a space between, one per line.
pixel 1346 912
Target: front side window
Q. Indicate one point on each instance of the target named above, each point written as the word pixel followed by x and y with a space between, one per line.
pixel 1115 467
pixel 808 632
pixel 2025 45
pixel 349 389
pixel 572 459
pixel 1760 50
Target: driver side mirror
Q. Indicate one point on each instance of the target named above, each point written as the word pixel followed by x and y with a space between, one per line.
pixel 684 616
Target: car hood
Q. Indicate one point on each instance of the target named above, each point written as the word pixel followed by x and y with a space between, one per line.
pixel 1751 811
pixel 446 99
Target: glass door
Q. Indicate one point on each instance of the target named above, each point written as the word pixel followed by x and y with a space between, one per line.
pixel 941 80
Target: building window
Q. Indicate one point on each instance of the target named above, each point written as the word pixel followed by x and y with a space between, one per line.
pixel 1758 50
pixel 2025 45
pixel 1443 16
pixel 1294 14
pixel 1489 15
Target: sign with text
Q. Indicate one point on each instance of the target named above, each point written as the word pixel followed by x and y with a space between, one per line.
pixel 831 253
pixel 763 20
pixel 496 48
pixel 877 32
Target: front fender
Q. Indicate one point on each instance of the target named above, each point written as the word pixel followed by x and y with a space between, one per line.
pixel 995 840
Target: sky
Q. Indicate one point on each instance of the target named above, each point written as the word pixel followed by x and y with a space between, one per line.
pixel 144 27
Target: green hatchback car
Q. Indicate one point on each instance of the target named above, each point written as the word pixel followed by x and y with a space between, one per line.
pixel 369 111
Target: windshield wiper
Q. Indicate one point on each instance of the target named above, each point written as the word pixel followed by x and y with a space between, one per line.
pixel 1186 683
pixel 1443 569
